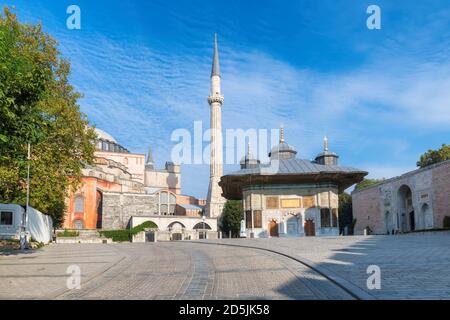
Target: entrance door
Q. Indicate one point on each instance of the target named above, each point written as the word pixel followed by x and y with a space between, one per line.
pixel 99 209
pixel 387 222
pixel 78 224
pixel 177 236
pixel 150 236
pixel 273 228
pixel 310 228
pixel 412 221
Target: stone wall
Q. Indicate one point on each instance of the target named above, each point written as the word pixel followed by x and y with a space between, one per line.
pixel 118 208
pixel 441 199
pixel 366 210
pixel 163 179
pixel 380 207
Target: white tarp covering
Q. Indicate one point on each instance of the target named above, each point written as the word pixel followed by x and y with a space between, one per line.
pixel 39 225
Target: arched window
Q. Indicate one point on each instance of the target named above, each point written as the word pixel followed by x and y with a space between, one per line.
pixel 325 219
pixel 166 203
pixel 334 217
pixel 202 226
pixel 79 203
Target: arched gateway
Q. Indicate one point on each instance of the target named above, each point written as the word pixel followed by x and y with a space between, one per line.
pixel 406 212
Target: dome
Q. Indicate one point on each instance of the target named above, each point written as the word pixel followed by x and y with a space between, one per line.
pixel 283 150
pixel 104 136
pixel 248 156
pixel 248 161
pixel 282 147
pixel 327 157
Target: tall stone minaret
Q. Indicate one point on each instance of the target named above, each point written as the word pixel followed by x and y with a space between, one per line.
pixel 215 201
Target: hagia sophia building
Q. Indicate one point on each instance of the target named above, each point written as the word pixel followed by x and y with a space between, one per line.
pixel 123 189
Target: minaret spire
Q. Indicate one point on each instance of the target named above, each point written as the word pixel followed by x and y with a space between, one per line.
pixel 325 143
pixel 215 201
pixel 215 71
pixel 150 163
pixel 281 133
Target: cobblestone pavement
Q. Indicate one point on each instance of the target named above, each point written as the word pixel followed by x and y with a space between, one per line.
pixel 413 266
pixel 170 270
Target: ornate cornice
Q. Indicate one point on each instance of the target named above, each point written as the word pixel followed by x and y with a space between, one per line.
pixel 217 98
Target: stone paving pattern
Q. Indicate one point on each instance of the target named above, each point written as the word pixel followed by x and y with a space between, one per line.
pixel 165 270
pixel 414 266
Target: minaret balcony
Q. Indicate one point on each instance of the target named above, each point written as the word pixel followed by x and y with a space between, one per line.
pixel 217 98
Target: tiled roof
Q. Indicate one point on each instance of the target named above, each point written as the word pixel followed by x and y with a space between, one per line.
pixel 190 206
pixel 294 166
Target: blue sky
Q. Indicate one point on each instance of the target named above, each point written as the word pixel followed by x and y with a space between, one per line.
pixel 382 97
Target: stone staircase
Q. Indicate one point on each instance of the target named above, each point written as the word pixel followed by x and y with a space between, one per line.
pixel 84 236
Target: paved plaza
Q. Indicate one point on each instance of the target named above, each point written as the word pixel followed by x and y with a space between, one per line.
pixel 165 270
pixel 412 266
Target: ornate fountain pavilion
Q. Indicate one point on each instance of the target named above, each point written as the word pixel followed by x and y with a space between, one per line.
pixel 290 197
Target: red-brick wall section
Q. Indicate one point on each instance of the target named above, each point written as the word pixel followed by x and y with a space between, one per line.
pixel 366 210
pixel 88 190
pixel 441 188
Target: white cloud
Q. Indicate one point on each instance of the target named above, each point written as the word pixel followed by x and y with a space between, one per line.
pixel 140 95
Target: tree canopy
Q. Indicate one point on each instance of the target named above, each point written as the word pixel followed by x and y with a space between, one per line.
pixel 232 216
pixel 38 106
pixel 345 211
pixel 434 156
pixel 367 183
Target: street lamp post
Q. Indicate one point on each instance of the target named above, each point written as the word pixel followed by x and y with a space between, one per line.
pixel 23 235
pixel 204 232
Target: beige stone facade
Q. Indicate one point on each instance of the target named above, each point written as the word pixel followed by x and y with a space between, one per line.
pixel 168 178
pixel 287 208
pixel 179 228
pixel 134 162
pixel 417 200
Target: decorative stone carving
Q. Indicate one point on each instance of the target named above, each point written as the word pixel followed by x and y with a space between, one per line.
pixel 216 99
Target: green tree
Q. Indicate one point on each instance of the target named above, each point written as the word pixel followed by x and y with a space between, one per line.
pixel 39 106
pixel 345 212
pixel 232 215
pixel 434 156
pixel 367 183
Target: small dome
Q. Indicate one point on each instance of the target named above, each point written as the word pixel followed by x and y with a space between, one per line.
pixel 283 150
pixel 247 157
pixel 282 147
pixel 104 136
pixel 249 161
pixel 327 157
